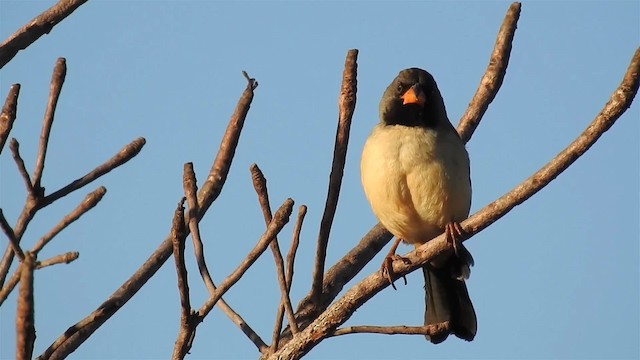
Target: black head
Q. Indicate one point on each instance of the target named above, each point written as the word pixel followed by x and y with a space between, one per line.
pixel 413 99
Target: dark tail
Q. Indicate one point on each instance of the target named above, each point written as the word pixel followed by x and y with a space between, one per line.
pixel 447 299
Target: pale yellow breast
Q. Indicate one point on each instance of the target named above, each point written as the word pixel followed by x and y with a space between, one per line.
pixel 416 180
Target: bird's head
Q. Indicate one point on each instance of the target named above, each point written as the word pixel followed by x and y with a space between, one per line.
pixel 413 99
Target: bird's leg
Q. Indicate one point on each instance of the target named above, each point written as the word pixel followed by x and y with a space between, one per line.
pixel 387 264
pixel 454 234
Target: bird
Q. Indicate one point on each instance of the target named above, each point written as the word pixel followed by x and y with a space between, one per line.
pixel 415 173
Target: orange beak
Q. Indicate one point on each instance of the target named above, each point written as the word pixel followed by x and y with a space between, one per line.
pixel 413 96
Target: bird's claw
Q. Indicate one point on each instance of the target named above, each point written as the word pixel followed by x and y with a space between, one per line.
pixel 387 268
pixel 454 234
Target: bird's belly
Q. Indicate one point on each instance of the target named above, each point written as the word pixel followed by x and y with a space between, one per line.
pixel 413 190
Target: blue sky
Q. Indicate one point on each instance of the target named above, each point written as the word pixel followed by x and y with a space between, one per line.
pixel 558 277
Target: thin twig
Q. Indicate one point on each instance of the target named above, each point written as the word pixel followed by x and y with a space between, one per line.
pixel 493 76
pixel 90 201
pixel 342 309
pixel 125 154
pixel 14 146
pixel 346 106
pixel 260 185
pixel 8 114
pixel 291 257
pixel 25 327
pixel 178 237
pixel 71 339
pixel 58 259
pixel 34 29
pixel 426 330
pixel 280 219
pixel 8 231
pixel 57 80
pixel 190 191
pixel 13 281
pixel 10 285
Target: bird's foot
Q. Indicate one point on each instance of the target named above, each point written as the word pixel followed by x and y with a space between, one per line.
pixel 387 268
pixel 455 234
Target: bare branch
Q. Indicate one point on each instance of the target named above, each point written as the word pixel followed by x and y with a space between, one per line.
pixel 222 163
pixel 179 235
pixel 493 76
pixel 291 257
pixel 14 146
pixel 260 185
pixel 40 25
pixel 125 154
pixel 190 191
pixel 79 332
pixel 8 114
pixel 57 79
pixel 58 259
pixel 89 202
pixel 394 330
pixel 13 281
pixel 346 106
pixel 25 328
pixel 8 231
pixel 343 308
pixel 10 285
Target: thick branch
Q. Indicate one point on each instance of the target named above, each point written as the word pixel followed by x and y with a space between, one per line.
pixel 346 106
pixel 25 327
pixel 40 25
pixel 343 308
pixel 8 114
pixel 79 332
pixel 493 76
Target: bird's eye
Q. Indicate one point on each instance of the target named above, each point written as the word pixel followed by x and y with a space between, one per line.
pixel 400 87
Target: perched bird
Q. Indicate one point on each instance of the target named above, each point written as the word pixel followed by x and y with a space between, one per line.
pixel 415 174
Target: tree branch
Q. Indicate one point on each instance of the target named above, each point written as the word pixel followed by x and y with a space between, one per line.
pixel 14 146
pixel 13 242
pixel 493 76
pixel 346 106
pixel 426 330
pixel 8 114
pixel 291 257
pixel 57 80
pixel 38 26
pixel 25 328
pixel 90 201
